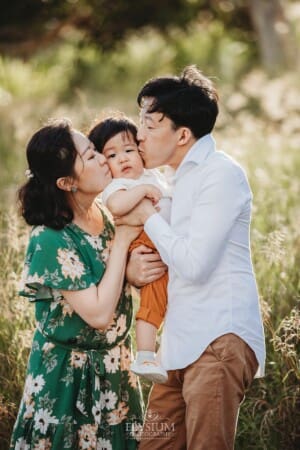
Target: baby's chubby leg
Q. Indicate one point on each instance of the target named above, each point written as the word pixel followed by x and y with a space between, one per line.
pixel 145 364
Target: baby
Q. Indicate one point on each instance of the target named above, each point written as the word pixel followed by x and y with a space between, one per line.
pixel 115 137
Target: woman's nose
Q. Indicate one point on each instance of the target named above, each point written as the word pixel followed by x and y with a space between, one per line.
pixel 140 133
pixel 101 158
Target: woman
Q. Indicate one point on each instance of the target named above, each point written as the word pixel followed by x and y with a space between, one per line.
pixel 79 392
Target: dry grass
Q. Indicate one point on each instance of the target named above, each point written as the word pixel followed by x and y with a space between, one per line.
pixel 259 126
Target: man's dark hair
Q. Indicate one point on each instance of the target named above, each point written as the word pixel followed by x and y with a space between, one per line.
pixel 51 154
pixel 109 127
pixel 189 100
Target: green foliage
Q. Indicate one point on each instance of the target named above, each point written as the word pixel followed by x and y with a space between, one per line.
pixel 270 415
pixel 106 23
pixel 16 322
pixel 258 126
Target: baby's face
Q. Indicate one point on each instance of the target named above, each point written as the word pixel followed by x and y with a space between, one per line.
pixel 123 158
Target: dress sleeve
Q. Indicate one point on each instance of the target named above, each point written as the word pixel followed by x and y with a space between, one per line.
pixel 54 261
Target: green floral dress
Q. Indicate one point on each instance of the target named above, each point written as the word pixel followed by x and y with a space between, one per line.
pixel 79 392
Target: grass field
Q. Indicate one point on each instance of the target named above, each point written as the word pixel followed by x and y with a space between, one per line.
pixel 259 125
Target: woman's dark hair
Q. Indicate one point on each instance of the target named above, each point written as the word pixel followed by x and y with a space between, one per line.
pixel 51 154
pixel 109 127
pixel 189 100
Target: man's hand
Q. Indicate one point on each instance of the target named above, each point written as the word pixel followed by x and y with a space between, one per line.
pixel 144 266
pixel 138 215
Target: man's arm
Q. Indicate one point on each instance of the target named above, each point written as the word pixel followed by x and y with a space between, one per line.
pixel 123 201
pixel 195 255
pixel 219 201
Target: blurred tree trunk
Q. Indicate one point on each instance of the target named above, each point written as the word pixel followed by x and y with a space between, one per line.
pixel 277 45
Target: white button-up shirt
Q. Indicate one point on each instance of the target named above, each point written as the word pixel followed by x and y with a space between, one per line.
pixel 212 289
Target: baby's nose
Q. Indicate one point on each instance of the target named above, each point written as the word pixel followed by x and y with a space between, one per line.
pixel 123 156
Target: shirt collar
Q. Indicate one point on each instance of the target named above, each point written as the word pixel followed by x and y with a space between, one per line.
pixel 197 154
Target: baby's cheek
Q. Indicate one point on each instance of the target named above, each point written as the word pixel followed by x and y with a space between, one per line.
pixel 115 171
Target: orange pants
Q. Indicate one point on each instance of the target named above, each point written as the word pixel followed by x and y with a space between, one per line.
pixel 153 302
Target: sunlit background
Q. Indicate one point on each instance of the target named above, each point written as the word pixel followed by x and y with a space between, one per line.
pixel 82 58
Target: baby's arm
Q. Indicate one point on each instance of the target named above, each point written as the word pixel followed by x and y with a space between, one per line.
pixel 123 201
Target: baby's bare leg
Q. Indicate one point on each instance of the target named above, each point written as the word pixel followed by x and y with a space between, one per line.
pixel 145 336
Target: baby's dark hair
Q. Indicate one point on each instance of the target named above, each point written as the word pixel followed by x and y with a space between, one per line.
pixel 109 127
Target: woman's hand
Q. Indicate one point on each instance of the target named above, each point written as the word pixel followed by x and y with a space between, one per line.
pixel 126 234
pixel 144 266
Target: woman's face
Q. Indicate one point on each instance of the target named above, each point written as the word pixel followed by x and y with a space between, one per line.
pixel 92 173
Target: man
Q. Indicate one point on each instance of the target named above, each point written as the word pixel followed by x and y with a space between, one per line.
pixel 212 343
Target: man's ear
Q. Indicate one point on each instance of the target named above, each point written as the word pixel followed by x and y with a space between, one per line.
pixel 64 183
pixel 185 135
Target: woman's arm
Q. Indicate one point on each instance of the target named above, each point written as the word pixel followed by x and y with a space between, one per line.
pixel 123 201
pixel 96 305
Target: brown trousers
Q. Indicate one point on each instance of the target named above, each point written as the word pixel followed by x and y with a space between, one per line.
pixel 197 409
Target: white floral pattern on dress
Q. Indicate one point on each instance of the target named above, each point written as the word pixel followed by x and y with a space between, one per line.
pixel 27 279
pixel 87 437
pixel 43 419
pixel 111 335
pixel 96 411
pixel 43 444
pixel 47 347
pixel 104 444
pixel 108 400
pixel 37 384
pixel 37 230
pixel 118 415
pixel 21 444
pixel 71 266
pixel 78 359
pixel 121 325
pixel 59 377
pixel 95 242
pixel 29 411
pixel 67 309
pixel 112 360
pixel 132 379
pixel 33 385
pixel 126 358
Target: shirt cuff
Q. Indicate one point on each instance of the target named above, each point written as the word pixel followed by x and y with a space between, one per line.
pixel 156 227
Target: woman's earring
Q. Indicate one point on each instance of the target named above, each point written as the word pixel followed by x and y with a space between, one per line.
pixel 73 189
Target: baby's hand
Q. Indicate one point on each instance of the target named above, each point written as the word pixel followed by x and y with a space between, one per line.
pixel 153 193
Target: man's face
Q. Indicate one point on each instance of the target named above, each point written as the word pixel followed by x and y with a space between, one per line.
pixel 157 139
